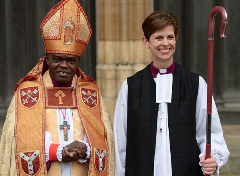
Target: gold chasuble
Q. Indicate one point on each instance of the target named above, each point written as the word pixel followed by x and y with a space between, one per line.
pixel 63 97
pixel 33 111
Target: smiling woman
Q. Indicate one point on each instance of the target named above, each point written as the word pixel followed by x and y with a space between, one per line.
pixel 160 113
pixel 62 67
pixel 162 45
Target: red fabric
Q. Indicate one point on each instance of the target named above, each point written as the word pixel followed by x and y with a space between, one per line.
pixel 29 96
pixel 97 161
pixel 60 97
pixel 88 79
pixel 53 152
pixel 81 74
pixel 29 77
pixel 89 97
pixel 34 74
pixel 35 162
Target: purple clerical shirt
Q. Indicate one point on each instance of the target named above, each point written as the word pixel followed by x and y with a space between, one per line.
pixel 154 70
pixel 56 84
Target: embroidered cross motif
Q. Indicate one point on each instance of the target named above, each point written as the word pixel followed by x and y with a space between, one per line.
pixel 29 160
pixel 101 163
pixel 65 127
pixel 89 96
pixel 29 94
pixel 60 95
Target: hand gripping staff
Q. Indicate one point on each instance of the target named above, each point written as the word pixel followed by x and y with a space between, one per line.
pixel 211 27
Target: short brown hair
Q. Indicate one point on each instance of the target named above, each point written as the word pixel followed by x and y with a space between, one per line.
pixel 157 21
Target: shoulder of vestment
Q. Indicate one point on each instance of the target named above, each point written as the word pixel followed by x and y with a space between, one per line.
pixel 34 74
pixel 83 77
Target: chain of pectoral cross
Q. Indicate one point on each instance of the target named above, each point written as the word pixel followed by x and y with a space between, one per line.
pixel 64 114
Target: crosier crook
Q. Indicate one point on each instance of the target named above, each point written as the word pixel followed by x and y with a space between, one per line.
pixel 211 28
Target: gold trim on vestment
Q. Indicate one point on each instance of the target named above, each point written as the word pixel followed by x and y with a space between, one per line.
pixel 29 129
pixel 30 124
pixel 93 125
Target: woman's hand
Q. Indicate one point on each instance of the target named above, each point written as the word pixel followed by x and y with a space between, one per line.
pixel 209 165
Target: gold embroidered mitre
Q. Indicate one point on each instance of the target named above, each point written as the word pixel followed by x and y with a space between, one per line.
pixel 66 29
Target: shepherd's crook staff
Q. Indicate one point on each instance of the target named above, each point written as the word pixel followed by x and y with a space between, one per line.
pixel 211 27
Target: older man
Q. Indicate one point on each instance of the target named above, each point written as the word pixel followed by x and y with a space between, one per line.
pixel 57 123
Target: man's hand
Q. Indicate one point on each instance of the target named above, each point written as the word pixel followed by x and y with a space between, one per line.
pixel 74 151
pixel 209 165
pixel 69 156
pixel 78 147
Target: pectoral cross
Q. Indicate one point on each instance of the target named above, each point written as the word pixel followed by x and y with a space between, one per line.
pixel 163 117
pixel 65 127
pixel 60 95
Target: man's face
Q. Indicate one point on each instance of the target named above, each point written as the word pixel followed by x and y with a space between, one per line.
pixel 62 67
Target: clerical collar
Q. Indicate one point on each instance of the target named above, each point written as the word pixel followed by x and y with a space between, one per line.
pixel 56 84
pixel 154 70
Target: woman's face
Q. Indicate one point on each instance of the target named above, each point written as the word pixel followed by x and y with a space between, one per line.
pixel 162 45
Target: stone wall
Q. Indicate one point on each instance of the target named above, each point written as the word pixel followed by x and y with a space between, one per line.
pixel 121 52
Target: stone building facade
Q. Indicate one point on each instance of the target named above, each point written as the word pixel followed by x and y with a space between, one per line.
pixel 116 50
pixel 121 52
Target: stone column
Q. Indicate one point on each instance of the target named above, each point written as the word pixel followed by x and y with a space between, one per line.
pixel 121 52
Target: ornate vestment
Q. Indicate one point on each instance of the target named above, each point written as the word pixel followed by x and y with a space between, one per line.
pixel 31 113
